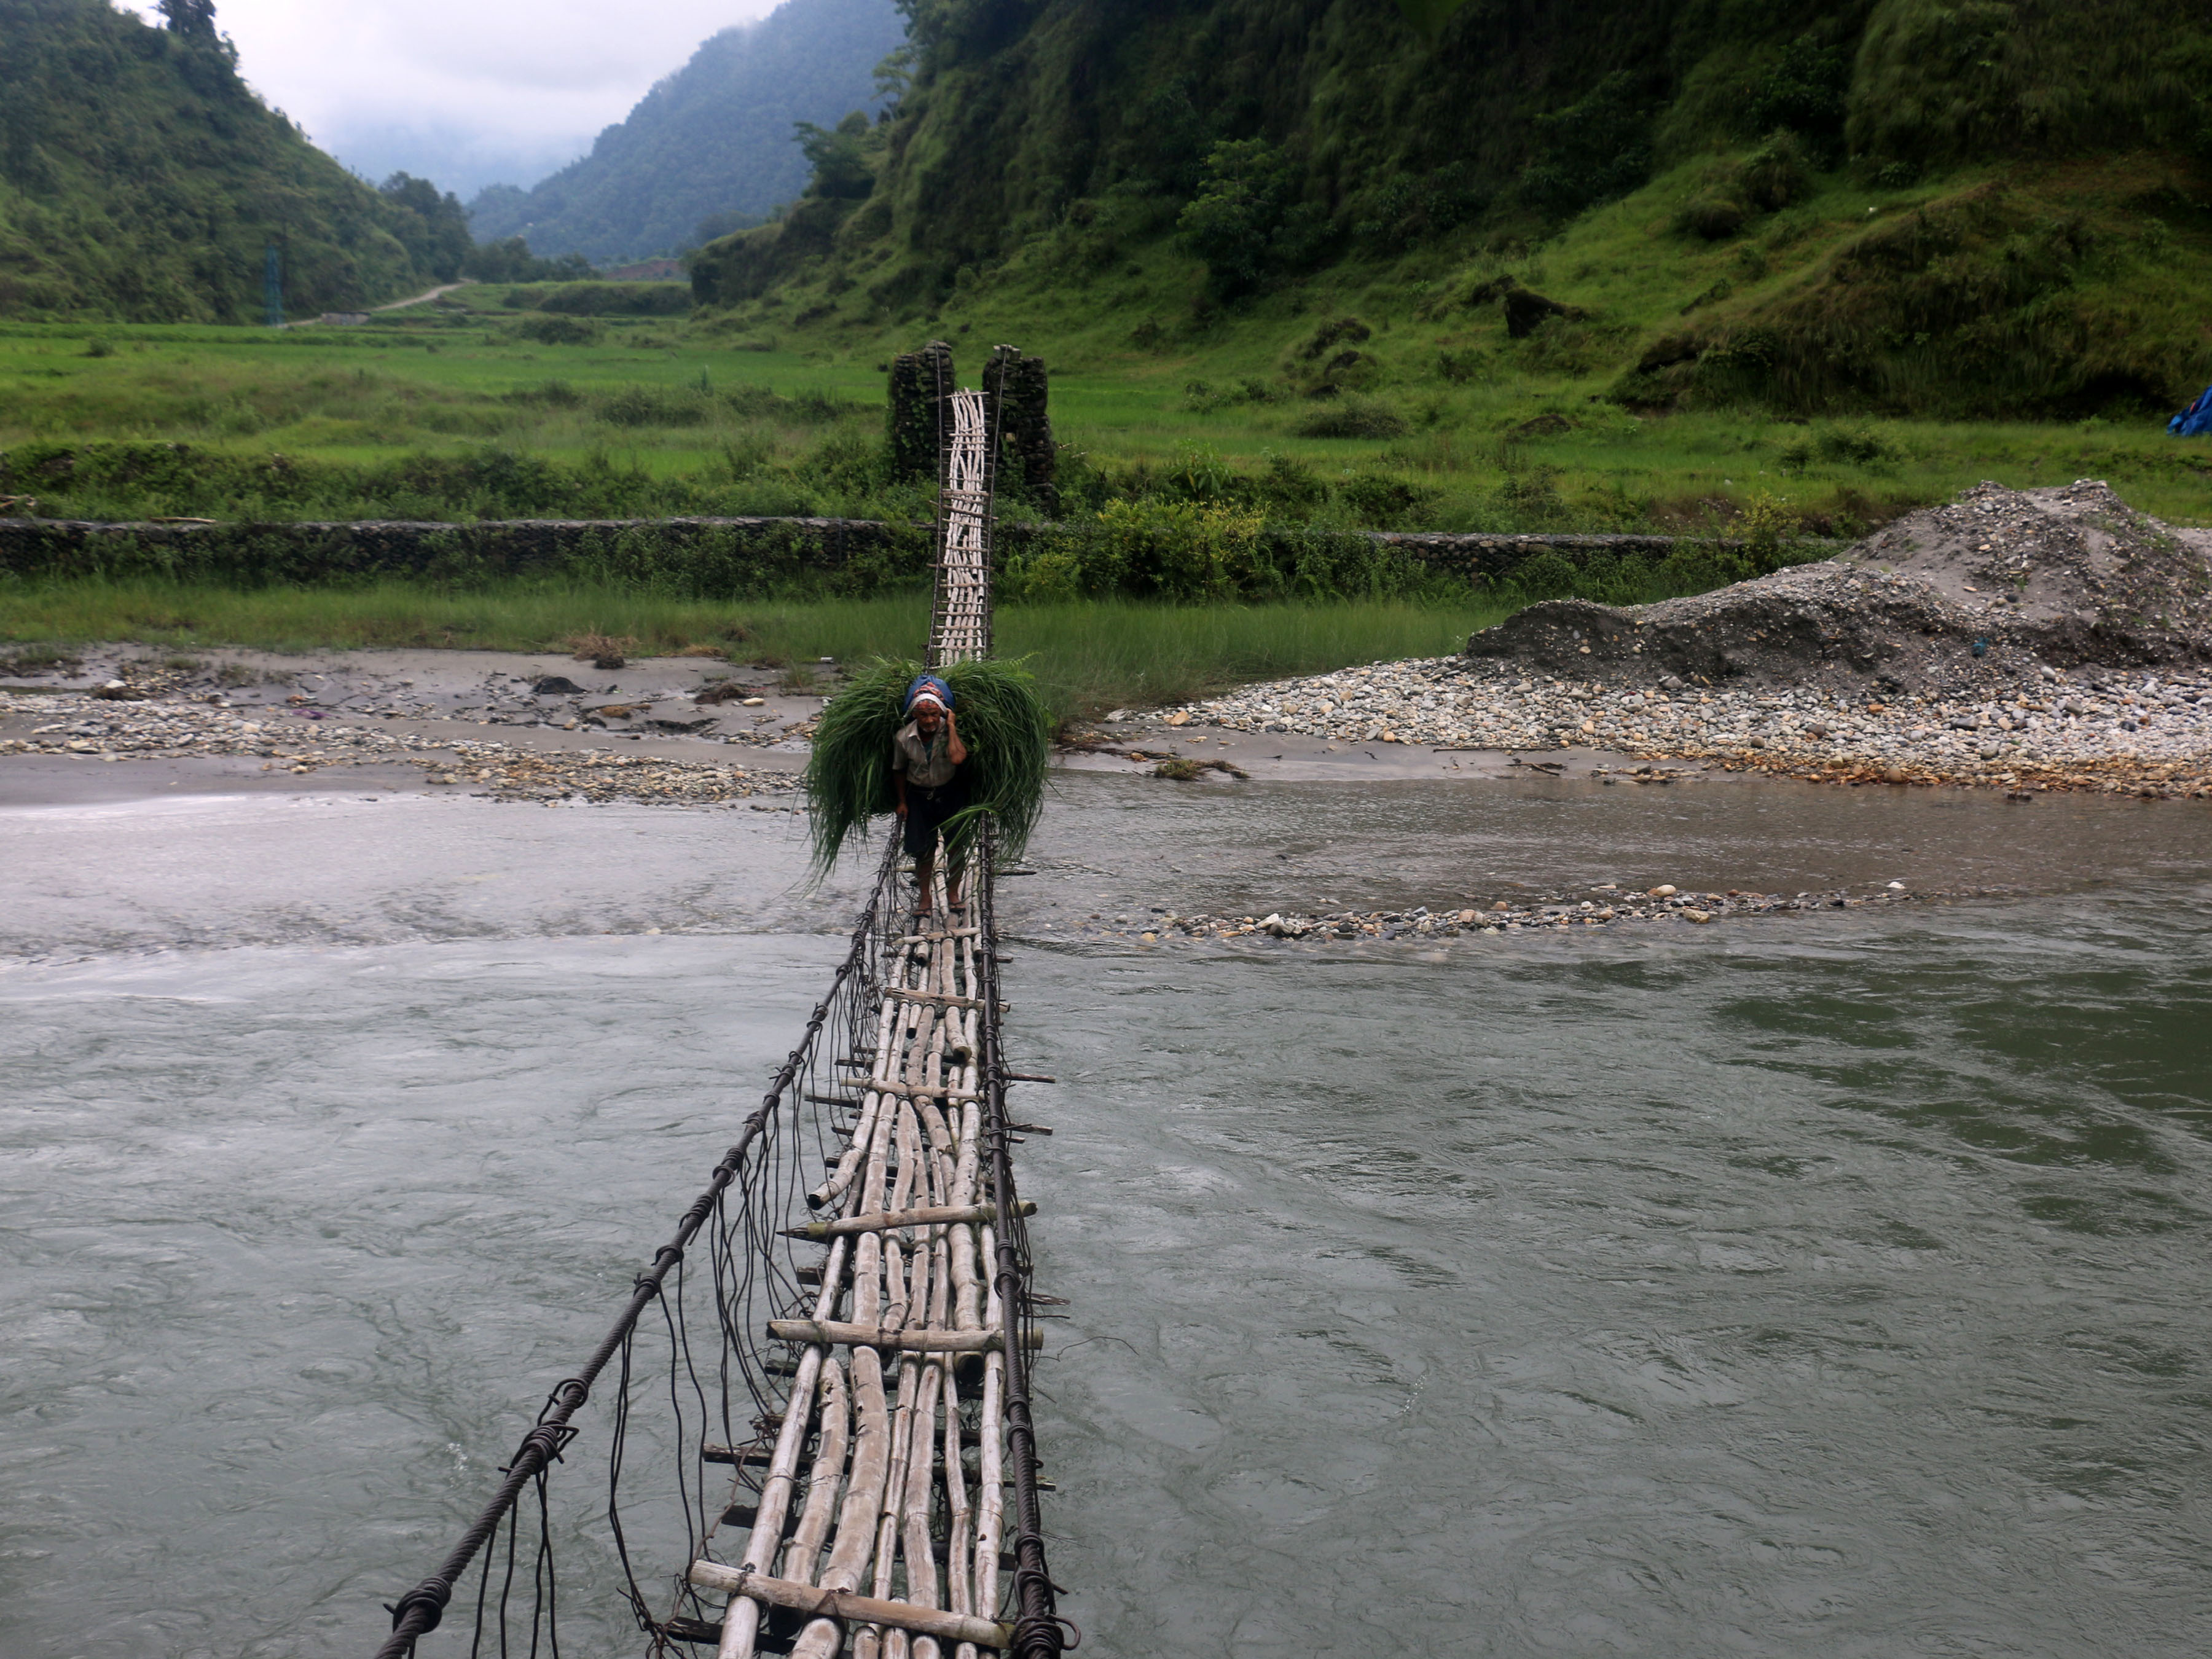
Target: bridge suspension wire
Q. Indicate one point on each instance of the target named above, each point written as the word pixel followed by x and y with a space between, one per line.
pixel 867 1255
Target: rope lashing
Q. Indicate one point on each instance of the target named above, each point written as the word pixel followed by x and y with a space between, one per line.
pixel 548 1440
pixel 1038 1634
pixel 431 1595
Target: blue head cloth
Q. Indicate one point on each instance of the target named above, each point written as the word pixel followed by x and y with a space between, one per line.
pixel 931 684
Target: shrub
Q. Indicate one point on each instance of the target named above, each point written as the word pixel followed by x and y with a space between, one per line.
pixel 1328 334
pixel 1777 175
pixel 618 300
pixel 1713 216
pixel 1856 446
pixel 1463 367
pixel 646 406
pixel 1290 483
pixel 1380 501
pixel 1410 207
pixel 1246 223
pixel 1546 576
pixel 1353 417
pixel 558 331
pixel 1175 549
pixel 1592 151
pixel 511 261
pixel 1803 92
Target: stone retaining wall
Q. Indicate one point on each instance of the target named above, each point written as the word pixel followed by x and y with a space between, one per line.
pixel 312 551
pixel 400 547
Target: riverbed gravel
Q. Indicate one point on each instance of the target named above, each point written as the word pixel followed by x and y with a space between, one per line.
pixel 127 721
pixel 2144 732
pixel 1565 914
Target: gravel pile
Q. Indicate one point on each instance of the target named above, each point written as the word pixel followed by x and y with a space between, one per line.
pixel 1603 906
pixel 143 722
pixel 1845 671
pixel 1979 592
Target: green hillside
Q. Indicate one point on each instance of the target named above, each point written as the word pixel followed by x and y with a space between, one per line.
pixel 713 140
pixel 1900 207
pixel 141 178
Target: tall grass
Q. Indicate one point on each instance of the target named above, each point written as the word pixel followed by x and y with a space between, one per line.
pixel 1089 656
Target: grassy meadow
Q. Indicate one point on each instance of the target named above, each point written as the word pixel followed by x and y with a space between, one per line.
pixel 1372 395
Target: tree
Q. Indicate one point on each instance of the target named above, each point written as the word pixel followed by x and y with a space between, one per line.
pixel 432 228
pixel 843 160
pixel 192 18
pixel 1246 222
pixel 1592 151
pixel 512 261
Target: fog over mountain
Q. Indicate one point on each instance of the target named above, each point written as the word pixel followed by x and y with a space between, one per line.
pixel 465 95
pixel 716 138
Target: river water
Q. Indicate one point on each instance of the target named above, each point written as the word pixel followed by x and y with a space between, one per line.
pixel 1821 1284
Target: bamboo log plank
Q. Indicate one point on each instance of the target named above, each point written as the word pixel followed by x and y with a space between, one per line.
pixel 801 1554
pixel 948 999
pixel 921 1581
pixel 959 1586
pixel 847 1605
pixel 925 1215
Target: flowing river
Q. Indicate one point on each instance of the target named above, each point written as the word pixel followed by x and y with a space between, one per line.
pixel 1832 1284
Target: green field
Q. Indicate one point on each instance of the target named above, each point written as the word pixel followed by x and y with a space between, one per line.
pixel 1091 656
pixel 451 412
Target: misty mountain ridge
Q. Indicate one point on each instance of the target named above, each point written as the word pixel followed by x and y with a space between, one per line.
pixel 141 177
pixel 716 138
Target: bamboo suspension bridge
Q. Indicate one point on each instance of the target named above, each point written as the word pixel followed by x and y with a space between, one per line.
pixel 856 1470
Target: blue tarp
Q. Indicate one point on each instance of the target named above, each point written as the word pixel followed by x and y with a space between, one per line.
pixel 2195 421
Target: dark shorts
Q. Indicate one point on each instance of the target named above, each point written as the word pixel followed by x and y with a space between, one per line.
pixel 926 811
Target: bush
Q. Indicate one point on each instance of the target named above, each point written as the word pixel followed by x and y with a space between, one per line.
pixel 1407 207
pixel 1380 502
pixel 1715 217
pixel 1176 550
pixel 1290 484
pixel 1855 446
pixel 1353 417
pixel 1802 93
pixel 618 300
pixel 1592 151
pixel 1245 221
pixel 646 406
pixel 1464 367
pixel 512 261
pixel 558 331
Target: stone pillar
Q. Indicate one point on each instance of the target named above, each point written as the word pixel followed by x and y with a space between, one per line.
pixel 918 379
pixel 1018 389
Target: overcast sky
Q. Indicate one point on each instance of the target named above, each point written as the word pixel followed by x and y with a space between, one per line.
pixel 464 92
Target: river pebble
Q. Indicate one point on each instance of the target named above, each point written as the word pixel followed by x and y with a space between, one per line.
pixel 2139 731
pixel 306 740
pixel 1562 913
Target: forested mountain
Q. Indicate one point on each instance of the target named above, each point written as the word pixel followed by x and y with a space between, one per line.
pixel 140 178
pixel 1281 143
pixel 713 139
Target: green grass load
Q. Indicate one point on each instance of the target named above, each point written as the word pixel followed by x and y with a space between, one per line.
pixel 1003 719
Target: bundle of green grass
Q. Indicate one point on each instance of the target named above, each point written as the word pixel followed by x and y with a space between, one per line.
pixel 1001 717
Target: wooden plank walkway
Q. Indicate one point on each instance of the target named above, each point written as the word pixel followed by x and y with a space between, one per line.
pixel 871 1517
pixel 903 1363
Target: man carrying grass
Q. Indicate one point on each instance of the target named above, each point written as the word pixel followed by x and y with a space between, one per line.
pixel 926 755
